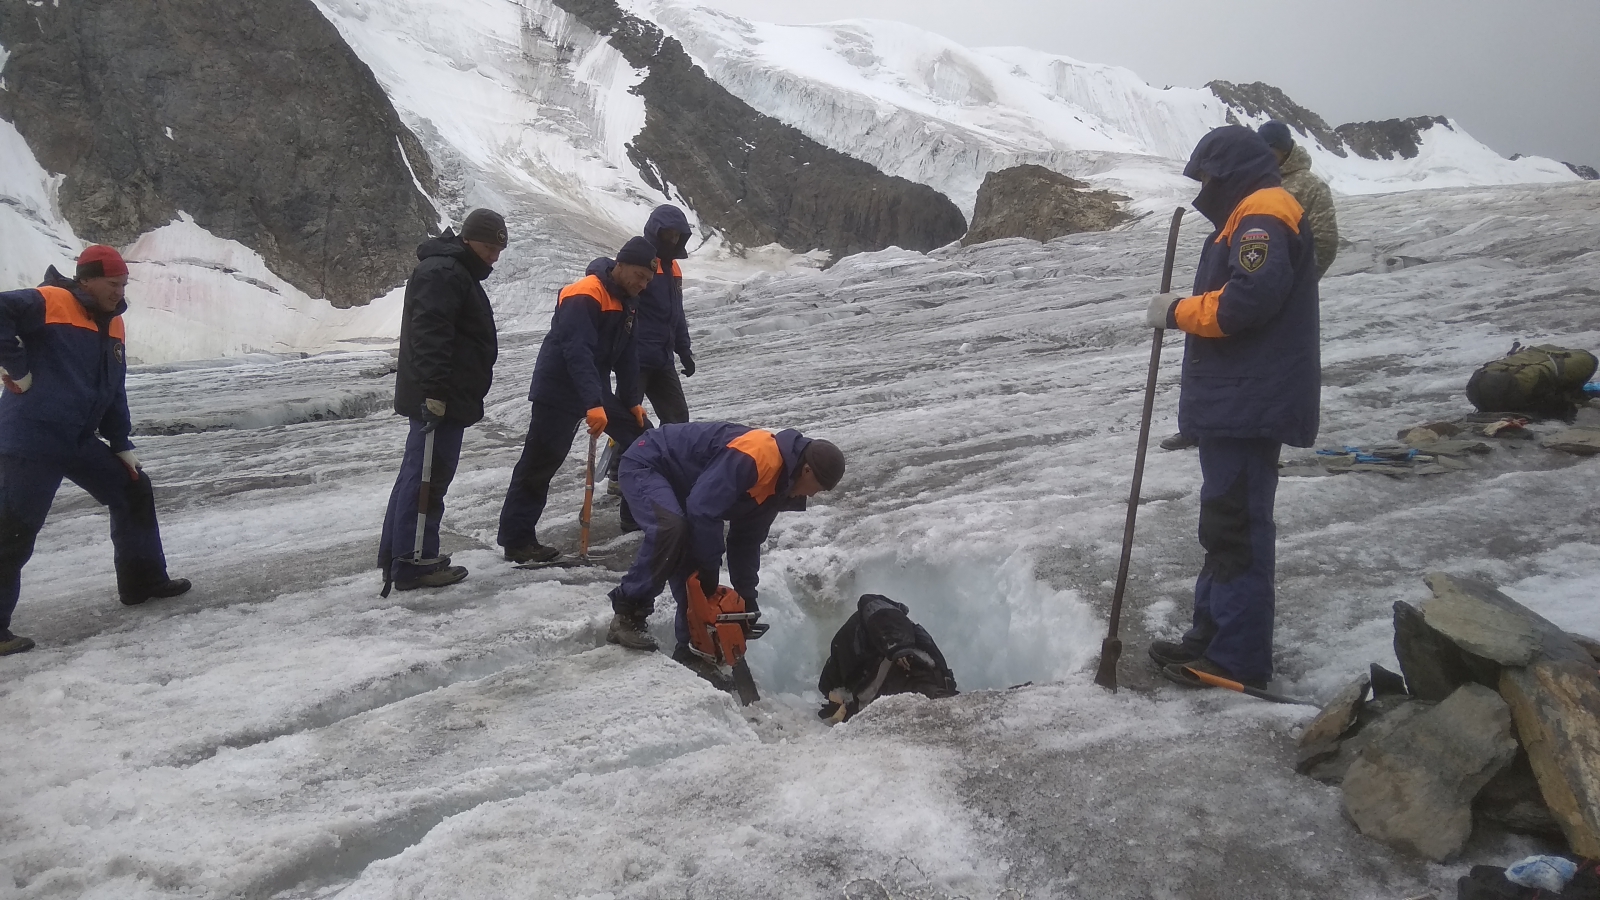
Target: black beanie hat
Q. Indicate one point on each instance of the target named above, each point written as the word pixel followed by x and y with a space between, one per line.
pixel 486 227
pixel 826 462
pixel 638 252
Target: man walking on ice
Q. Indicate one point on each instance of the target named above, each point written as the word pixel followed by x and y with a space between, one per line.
pixel 1251 379
pixel 63 362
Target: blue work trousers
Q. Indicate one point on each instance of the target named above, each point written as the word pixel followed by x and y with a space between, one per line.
pixel 663 557
pixel 1233 597
pixel 400 521
pixel 28 487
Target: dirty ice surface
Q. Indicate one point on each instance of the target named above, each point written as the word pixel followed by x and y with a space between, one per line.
pixel 283 732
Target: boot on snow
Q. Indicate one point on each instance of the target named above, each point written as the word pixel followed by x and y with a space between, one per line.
pixel 532 553
pixel 1175 653
pixel 1178 442
pixel 1179 674
pixel 10 643
pixel 172 587
pixel 702 667
pixel 436 579
pixel 631 632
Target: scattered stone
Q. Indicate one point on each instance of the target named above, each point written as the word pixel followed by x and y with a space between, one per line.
pixel 1556 706
pixel 1460 448
pixel 1034 202
pixel 1589 645
pixel 1512 801
pixel 1377 718
pixel 1386 683
pixel 1479 627
pixel 1553 642
pixel 1578 441
pixel 1322 736
pixel 1440 429
pixel 1420 436
pixel 1414 788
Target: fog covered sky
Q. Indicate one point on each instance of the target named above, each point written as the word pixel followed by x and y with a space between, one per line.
pixel 1523 76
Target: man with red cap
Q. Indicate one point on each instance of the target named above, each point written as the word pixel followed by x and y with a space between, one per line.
pixel 64 366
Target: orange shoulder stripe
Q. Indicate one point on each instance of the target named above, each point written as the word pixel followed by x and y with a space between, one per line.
pixel 1198 315
pixel 62 308
pixel 591 286
pixel 1275 202
pixel 761 447
pixel 676 272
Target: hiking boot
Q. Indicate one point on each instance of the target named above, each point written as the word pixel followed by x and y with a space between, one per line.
pixel 1175 653
pixel 437 578
pixel 629 526
pixel 10 643
pixel 533 553
pixel 172 587
pixel 614 487
pixel 1179 442
pixel 631 632
pixel 703 667
pixel 1179 674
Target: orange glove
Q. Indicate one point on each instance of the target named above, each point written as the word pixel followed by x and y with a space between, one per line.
pixel 638 415
pixel 597 420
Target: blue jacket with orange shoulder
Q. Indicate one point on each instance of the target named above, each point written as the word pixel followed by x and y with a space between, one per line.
pixel 723 472
pixel 78 359
pixel 1252 360
pixel 663 329
pixel 591 337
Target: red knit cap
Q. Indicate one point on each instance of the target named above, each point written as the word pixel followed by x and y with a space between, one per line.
pixel 100 261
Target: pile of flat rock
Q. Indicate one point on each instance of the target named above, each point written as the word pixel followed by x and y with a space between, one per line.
pixel 1437 448
pixel 1494 718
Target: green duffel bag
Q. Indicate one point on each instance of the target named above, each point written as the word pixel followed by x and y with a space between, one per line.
pixel 1545 380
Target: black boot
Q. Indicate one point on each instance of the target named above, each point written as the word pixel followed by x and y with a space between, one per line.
pixel 437 578
pixel 171 587
pixel 532 553
pixel 1181 674
pixel 1179 442
pixel 632 632
pixel 1175 653
pixel 10 643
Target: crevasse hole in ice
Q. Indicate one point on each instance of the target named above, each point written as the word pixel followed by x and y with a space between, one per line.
pixel 996 623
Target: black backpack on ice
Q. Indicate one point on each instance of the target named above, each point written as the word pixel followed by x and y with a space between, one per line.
pixel 1545 380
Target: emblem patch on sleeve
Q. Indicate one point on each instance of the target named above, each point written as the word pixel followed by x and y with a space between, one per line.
pixel 1253 245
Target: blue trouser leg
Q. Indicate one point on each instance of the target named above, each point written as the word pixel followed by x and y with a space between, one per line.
pixel 1233 597
pixel 550 435
pixel 27 487
pixel 663 551
pixel 400 521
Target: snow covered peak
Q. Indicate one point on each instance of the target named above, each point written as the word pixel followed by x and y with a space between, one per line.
pixel 926 108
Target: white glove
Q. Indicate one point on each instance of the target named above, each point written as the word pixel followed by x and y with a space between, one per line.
pixel 16 385
pixel 131 462
pixel 1156 316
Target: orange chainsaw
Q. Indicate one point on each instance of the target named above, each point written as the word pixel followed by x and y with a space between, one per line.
pixel 717 629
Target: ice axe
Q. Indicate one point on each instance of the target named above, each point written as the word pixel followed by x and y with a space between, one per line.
pixel 1111 647
pixel 1258 693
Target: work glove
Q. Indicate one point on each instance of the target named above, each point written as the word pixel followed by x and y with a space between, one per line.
pixel 432 415
pixel 597 421
pixel 709 579
pixel 688 363
pixel 16 385
pixel 131 463
pixel 638 415
pixel 1156 316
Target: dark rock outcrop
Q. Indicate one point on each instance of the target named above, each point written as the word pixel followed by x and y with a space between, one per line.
pixel 1258 99
pixel 1389 138
pixel 256 119
pixel 1033 202
pixel 750 176
pixel 1587 173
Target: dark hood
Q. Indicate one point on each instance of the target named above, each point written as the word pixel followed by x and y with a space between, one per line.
pixel 1238 162
pixel 875 603
pixel 668 216
pixel 53 278
pixel 448 243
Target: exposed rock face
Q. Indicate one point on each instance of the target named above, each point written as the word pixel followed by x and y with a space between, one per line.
pixel 1371 140
pixel 1587 173
pixel 1390 137
pixel 1414 788
pixel 1556 705
pixel 256 120
pixel 752 177
pixel 1033 202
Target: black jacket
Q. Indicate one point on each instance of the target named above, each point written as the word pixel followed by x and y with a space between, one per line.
pixel 447 337
pixel 869 643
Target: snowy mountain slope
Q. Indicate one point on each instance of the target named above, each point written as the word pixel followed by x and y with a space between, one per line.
pixel 926 108
pixel 282 731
